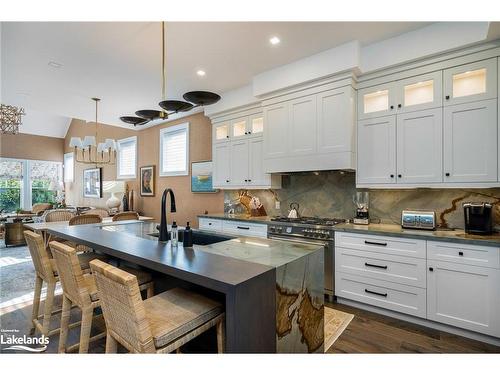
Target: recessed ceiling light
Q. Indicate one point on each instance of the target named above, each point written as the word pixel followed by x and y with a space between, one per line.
pixel 274 40
pixel 55 64
pixel 201 73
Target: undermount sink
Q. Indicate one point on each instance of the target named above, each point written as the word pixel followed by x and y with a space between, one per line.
pixel 200 238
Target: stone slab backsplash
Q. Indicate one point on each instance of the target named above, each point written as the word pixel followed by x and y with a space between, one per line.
pixel 330 194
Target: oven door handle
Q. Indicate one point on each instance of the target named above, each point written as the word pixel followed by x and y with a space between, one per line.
pixel 297 241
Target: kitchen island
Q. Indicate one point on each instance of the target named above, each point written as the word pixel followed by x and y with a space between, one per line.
pixel 273 290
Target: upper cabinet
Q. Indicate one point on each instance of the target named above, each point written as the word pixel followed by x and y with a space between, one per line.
pixel 470 82
pixel 407 95
pixel 237 152
pixel 310 132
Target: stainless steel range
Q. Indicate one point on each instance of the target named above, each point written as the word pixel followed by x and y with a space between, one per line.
pixel 311 230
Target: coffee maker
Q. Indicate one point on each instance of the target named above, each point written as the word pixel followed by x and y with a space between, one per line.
pixel 478 218
pixel 361 200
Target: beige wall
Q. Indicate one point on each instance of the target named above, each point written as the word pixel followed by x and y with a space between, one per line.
pixel 200 148
pixel 32 147
pixel 74 190
pixel 188 204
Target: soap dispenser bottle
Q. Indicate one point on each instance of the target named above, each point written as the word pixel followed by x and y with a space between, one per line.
pixel 174 236
pixel 188 236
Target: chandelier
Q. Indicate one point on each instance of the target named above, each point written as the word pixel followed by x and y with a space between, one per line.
pixel 10 118
pixel 192 99
pixel 90 151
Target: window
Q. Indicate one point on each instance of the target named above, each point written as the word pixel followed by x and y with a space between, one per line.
pixel 174 150
pixel 127 158
pixel 69 167
pixel 26 182
pixel 11 184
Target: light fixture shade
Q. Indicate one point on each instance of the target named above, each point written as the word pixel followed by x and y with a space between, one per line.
pixel 110 143
pixel 101 147
pixel 89 140
pixel 76 142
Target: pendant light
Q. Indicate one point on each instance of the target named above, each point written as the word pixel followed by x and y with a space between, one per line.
pixel 91 151
pixel 192 99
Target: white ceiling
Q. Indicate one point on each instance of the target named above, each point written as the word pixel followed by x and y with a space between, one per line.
pixel 120 61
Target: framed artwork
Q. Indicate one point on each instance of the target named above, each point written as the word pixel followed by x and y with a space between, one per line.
pixel 202 177
pixel 147 181
pixel 92 183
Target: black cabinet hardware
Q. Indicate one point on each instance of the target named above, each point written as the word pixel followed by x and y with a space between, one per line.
pixel 209 223
pixel 376 243
pixel 375 265
pixel 249 180
pixel 227 136
pixel 249 132
pixel 447 174
pixel 246 133
pixel 246 228
pixel 392 176
pixel 246 180
pixel 227 180
pixel 461 253
pixel 392 107
pixel 447 97
pixel 376 293
pixel 399 176
pixel 399 105
pixel 431 269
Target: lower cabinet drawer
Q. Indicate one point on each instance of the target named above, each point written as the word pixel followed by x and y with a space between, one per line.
pixel 401 246
pixel 210 224
pixel 242 228
pixel 392 268
pixel 396 297
pixel 474 255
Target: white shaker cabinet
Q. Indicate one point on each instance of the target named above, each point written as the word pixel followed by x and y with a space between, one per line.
pixel 421 92
pixel 335 110
pixel 222 163
pixel 464 296
pixel 470 142
pixel 377 151
pixel 256 175
pixel 276 118
pixel 239 162
pixel 420 146
pixel 302 127
pixel 470 82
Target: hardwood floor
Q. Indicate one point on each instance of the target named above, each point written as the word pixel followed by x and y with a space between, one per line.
pixel 373 333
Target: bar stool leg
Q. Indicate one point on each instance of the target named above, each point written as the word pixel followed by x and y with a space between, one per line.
pixel 49 301
pixel 36 303
pixel 111 344
pixel 150 291
pixel 65 315
pixel 87 313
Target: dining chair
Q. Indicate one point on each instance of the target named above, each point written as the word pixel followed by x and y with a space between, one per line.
pixel 127 215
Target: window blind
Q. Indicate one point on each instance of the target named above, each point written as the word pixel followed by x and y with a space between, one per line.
pixel 127 157
pixel 68 167
pixel 174 149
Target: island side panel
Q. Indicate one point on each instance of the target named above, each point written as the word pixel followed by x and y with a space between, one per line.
pixel 250 315
pixel 300 305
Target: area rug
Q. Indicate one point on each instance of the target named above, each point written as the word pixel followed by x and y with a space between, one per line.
pixel 335 323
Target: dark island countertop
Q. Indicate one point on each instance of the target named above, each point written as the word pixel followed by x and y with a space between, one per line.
pixel 394 230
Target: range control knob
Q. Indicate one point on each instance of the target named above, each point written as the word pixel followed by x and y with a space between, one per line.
pixel 272 229
pixel 280 229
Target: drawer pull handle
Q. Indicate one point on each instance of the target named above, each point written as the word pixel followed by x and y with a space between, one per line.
pixel 376 243
pixel 375 265
pixel 461 253
pixel 209 223
pixel 246 228
pixel 376 293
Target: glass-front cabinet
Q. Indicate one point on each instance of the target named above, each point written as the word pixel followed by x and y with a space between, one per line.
pixel 256 125
pixel 239 127
pixel 376 101
pixel 470 82
pixel 221 132
pixel 419 92
pixel 248 126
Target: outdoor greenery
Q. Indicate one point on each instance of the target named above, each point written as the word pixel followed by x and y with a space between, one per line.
pixel 10 195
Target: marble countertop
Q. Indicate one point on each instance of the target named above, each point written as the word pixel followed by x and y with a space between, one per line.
pixel 457 235
pixel 240 217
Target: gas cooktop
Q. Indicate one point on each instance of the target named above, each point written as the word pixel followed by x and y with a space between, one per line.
pixel 309 220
